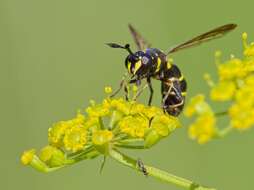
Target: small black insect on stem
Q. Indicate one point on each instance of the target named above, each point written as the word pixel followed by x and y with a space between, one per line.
pixel 142 167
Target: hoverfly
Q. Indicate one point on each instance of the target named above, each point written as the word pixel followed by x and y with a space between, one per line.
pixel 148 63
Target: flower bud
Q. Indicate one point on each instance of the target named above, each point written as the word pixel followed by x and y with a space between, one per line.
pixel 52 156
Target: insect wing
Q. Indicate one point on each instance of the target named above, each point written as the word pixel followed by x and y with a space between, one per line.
pixel 141 43
pixel 210 35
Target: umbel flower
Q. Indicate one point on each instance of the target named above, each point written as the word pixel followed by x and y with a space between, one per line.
pixel 235 85
pixel 102 130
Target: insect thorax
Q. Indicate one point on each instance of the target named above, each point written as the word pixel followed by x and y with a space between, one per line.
pixel 144 63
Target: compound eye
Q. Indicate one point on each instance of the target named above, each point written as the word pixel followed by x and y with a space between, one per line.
pixel 144 60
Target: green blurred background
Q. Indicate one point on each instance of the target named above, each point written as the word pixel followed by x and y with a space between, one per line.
pixel 53 61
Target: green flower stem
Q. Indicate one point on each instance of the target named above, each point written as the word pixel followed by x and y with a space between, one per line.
pixel 130 146
pixel 224 132
pixel 159 174
pixel 219 114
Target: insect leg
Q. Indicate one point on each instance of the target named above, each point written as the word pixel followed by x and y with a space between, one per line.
pixel 140 92
pixel 177 105
pixel 120 86
pixel 126 91
pixel 151 91
pixel 166 95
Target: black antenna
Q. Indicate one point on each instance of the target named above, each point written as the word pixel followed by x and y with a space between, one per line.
pixel 127 47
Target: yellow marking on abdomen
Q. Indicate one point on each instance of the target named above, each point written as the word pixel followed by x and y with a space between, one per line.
pixel 181 78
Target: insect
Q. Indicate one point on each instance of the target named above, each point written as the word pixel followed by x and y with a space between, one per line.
pixel 152 63
pixel 142 167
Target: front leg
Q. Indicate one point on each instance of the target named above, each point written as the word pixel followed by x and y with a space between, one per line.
pixel 151 90
pixel 122 83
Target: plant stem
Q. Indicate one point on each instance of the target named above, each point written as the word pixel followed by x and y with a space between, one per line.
pixel 224 132
pixel 157 173
pixel 223 113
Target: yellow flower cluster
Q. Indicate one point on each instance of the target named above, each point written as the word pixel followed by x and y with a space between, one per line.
pixel 203 128
pixel 112 123
pixel 70 134
pixel 242 110
pixel 236 86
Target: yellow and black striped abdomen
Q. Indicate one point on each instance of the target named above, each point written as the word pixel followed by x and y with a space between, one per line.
pixel 172 73
pixel 174 87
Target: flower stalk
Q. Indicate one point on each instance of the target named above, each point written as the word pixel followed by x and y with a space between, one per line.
pixel 156 173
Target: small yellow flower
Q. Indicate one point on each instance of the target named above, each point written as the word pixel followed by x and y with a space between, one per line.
pixel 203 129
pixel 52 156
pixel 27 157
pixel 208 79
pixel 248 49
pixel 223 91
pixel 108 90
pixel 164 124
pixel 101 137
pixel 152 111
pixel 137 109
pixel 75 138
pixel 242 116
pixel 56 133
pixel 232 69
pixel 135 126
pixel 121 105
pixel 197 105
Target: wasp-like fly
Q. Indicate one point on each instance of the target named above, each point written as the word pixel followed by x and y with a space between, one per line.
pixel 148 63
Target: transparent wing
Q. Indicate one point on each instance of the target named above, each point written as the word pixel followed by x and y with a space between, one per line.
pixel 139 40
pixel 212 34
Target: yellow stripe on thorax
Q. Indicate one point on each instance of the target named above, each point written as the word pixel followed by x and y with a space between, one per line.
pixel 158 64
pixel 169 65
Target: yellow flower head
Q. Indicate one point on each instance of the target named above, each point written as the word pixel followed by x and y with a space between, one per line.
pixel 232 69
pixel 203 129
pixel 120 105
pixel 108 90
pixel 242 115
pixel 52 156
pixel 27 157
pixel 223 91
pixel 75 138
pixel 110 124
pixel 197 105
pixel 57 132
pixel 164 125
pixel 135 126
pixel 248 49
pixel 242 110
pixel 152 111
pixel 101 137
